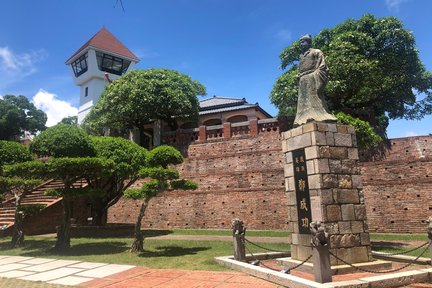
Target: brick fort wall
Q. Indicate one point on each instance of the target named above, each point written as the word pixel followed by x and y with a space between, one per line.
pixel 242 176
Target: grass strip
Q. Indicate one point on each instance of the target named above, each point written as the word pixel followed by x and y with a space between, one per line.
pixel 174 254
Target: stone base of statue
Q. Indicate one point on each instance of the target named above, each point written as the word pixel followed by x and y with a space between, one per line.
pixel 323 183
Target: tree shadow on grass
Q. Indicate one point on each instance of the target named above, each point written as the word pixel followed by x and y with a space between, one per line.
pixel 382 245
pixel 99 248
pixel 172 251
pixel 45 247
pixel 154 233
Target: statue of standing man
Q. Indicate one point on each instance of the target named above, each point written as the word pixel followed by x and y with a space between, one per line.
pixel 313 77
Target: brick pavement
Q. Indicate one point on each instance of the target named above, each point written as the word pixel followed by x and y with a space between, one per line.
pixel 166 278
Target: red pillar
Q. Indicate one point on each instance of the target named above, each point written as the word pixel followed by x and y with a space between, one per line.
pixel 227 130
pixel 253 126
pixel 202 134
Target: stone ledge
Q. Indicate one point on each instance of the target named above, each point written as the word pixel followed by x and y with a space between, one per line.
pixel 288 280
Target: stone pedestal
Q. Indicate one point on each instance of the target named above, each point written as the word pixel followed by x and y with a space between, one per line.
pixel 322 179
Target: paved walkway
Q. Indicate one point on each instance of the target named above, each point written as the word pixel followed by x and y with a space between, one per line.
pixel 97 275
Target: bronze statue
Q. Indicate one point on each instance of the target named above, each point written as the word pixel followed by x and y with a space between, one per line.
pixel 312 77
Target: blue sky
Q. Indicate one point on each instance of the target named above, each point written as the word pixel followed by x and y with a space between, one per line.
pixel 231 46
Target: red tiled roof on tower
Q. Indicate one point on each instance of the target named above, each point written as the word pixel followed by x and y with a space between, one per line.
pixel 106 41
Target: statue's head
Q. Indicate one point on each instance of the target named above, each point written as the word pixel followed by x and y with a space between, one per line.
pixel 305 42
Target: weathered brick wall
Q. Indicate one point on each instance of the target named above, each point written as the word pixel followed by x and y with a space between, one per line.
pixel 398 190
pixel 238 177
pixel 48 219
pixel 243 177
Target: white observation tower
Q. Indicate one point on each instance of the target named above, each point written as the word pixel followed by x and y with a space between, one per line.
pixel 100 59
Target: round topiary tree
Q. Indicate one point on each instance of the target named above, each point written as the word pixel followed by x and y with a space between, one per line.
pixel 63 140
pixel 13 152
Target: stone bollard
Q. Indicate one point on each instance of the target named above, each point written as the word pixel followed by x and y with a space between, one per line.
pixel 239 231
pixel 429 232
pixel 320 253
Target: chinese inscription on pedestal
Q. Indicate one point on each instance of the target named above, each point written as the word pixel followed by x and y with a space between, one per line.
pixel 302 191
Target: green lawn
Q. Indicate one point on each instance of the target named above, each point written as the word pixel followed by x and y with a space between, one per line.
pixel 216 232
pixel 192 255
pixel 178 254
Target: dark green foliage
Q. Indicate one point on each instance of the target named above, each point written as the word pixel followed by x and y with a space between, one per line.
pixel 13 152
pixel 31 210
pixel 366 136
pixel 148 190
pixel 163 156
pixel 183 185
pixel 375 70
pixel 73 169
pixel 128 157
pixel 159 173
pixel 75 192
pixel 70 120
pixel 63 140
pixel 18 114
pixel 17 184
pixel 142 96
pixel 27 170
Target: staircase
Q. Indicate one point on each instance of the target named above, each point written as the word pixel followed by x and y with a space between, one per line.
pixel 37 196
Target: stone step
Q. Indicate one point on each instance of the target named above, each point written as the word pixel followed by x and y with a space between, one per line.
pixel 29 202
pixel 7 208
pixel 40 197
pixel 9 212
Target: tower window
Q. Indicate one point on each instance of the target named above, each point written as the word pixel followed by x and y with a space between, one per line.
pixel 86 92
pixel 79 66
pixel 112 64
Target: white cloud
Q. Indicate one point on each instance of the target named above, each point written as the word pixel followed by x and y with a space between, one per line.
pixel 14 67
pixel 284 35
pixel 55 108
pixel 410 134
pixel 394 4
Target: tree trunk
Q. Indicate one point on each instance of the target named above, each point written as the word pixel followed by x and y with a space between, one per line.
pixel 18 232
pixel 98 213
pixel 63 232
pixel 138 244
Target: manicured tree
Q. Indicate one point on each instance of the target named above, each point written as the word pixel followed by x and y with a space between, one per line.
pixel 70 170
pixel 142 96
pixel 163 179
pixel 63 140
pixel 71 150
pixel 129 158
pixel 11 153
pixel 375 72
pixel 19 180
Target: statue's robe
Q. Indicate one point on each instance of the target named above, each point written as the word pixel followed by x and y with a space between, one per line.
pixel 313 77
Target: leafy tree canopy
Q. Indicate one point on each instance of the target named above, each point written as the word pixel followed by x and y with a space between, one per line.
pixel 129 157
pixel 375 69
pixel 63 140
pixel 13 152
pixel 70 120
pixel 142 96
pixel 18 115
pixel 163 156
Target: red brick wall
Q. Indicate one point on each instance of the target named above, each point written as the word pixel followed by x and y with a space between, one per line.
pixel 243 177
pixel 398 190
pixel 237 177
